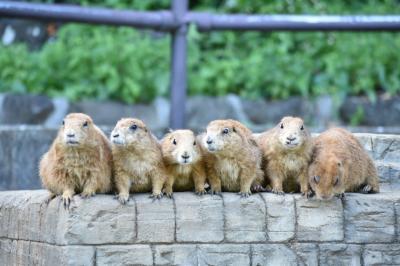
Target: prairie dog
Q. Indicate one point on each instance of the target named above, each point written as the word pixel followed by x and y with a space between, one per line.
pixel 138 163
pixel 287 152
pixel 78 161
pixel 184 162
pixel 233 158
pixel 340 164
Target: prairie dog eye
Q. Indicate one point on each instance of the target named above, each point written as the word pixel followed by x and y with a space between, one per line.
pixel 316 178
pixel 302 127
pixel 133 127
pixel 194 143
pixel 174 142
pixel 63 123
pixel 85 124
pixel 282 125
pixel 225 131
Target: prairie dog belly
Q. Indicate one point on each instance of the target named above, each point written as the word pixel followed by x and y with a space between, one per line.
pixel 139 176
pixel 229 173
pixel 183 178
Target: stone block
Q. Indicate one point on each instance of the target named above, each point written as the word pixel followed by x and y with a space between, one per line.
pixel 369 218
pixel 199 218
pixel 281 218
pixel 319 220
pixel 273 254
pixel 245 218
pixel 175 255
pixel 382 254
pixel 155 219
pixel 339 254
pixel 124 255
pixel 223 254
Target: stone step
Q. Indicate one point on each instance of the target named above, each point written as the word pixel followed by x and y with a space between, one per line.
pixel 264 229
pixel 389 175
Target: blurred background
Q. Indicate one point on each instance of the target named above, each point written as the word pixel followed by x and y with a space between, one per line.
pixel 329 78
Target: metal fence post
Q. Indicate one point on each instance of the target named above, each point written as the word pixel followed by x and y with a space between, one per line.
pixel 178 78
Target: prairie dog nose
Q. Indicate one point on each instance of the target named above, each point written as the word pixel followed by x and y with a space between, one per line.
pixel 209 141
pixel 291 138
pixel 185 156
pixel 70 135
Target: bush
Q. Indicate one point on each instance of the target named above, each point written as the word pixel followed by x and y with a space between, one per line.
pixel 124 64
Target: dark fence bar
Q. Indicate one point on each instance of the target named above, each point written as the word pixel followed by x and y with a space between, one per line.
pixel 158 20
pixel 208 22
pixel 178 66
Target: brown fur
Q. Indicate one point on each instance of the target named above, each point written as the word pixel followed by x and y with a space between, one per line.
pixel 70 167
pixel 184 174
pixel 340 164
pixel 286 164
pixel 233 159
pixel 138 164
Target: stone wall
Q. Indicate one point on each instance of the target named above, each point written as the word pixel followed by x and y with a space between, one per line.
pixel 264 229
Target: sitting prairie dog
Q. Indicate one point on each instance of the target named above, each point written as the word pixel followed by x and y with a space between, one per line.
pixel 138 163
pixel 184 162
pixel 287 152
pixel 233 159
pixel 340 164
pixel 79 160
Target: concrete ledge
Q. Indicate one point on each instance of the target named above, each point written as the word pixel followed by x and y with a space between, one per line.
pixel 264 229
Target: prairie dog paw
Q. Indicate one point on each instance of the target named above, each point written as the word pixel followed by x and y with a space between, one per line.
pixel 87 194
pixel 123 198
pixel 278 191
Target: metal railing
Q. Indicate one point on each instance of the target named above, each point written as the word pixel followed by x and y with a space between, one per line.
pixel 177 20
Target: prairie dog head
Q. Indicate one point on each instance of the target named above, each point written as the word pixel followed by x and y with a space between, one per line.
pixel 180 147
pixel 326 177
pixel 224 135
pixel 292 133
pixel 129 132
pixel 77 130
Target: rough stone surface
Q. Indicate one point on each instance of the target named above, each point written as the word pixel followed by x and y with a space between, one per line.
pixel 319 220
pixel 389 175
pixel 102 218
pixel 381 147
pixel 307 254
pixel 382 254
pixel 280 217
pixel 369 218
pixel 190 230
pixel 384 112
pixel 20 252
pixel 245 218
pixel 226 254
pixel 199 219
pixel 273 254
pixel 339 254
pixel 155 219
pixel 124 255
pixel 167 255
pixel 24 109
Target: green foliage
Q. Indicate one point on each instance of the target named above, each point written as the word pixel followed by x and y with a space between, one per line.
pixel 358 117
pixel 128 65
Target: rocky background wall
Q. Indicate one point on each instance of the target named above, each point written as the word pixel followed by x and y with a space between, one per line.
pixel 264 229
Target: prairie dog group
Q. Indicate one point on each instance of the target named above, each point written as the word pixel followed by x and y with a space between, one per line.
pixel 227 158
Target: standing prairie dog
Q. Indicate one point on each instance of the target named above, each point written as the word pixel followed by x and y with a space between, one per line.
pixel 340 164
pixel 233 158
pixel 287 152
pixel 184 162
pixel 138 164
pixel 79 160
